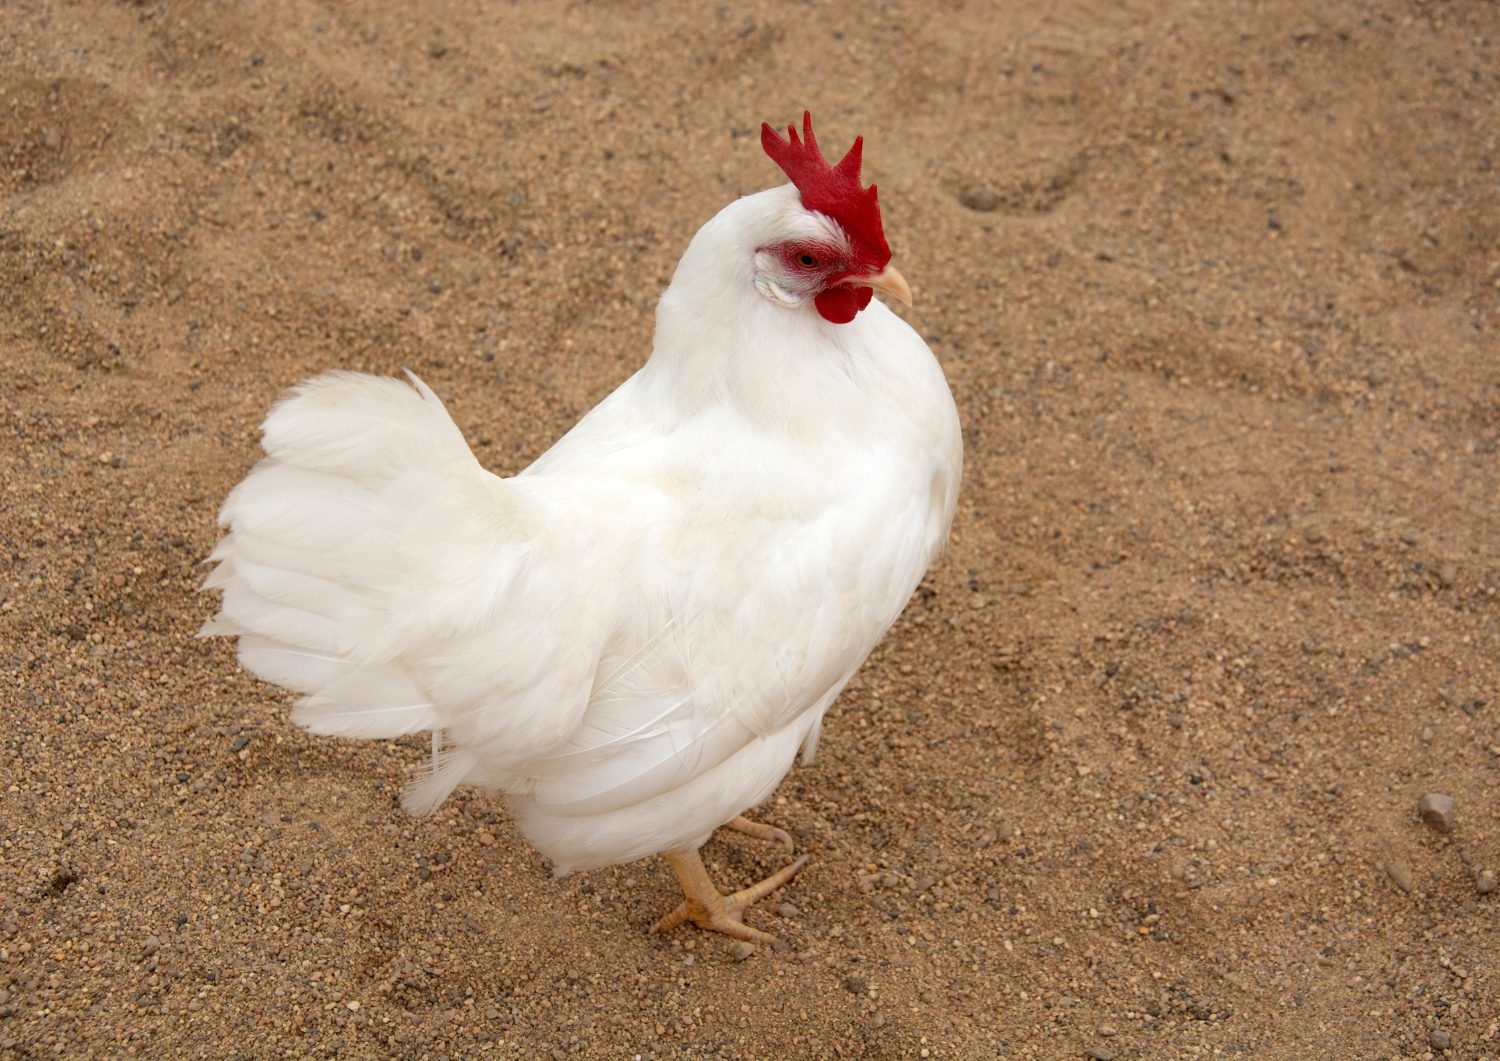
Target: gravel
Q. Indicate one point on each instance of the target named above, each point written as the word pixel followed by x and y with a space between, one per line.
pixel 981 199
pixel 1194 450
pixel 1436 810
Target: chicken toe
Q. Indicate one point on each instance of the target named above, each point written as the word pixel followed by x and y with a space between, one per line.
pixel 741 824
pixel 705 906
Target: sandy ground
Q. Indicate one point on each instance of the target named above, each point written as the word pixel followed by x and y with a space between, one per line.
pixel 1136 776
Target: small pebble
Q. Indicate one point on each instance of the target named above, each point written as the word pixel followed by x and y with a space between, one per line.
pixel 787 910
pixel 1101 1053
pixel 1400 874
pixel 1440 1039
pixel 1436 810
pixel 152 945
pixel 1485 882
pixel 741 949
pixel 854 985
pixel 982 199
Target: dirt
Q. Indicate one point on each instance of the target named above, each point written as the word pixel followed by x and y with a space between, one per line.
pixel 1137 774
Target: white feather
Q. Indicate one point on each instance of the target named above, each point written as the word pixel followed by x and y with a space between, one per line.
pixel 445 774
pixel 367 703
pixel 301 669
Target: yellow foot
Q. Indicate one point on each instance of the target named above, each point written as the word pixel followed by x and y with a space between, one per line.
pixel 706 907
pixel 761 831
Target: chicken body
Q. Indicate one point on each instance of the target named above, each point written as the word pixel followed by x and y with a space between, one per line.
pixel 633 637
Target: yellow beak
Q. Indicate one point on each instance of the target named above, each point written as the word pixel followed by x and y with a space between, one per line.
pixel 887 280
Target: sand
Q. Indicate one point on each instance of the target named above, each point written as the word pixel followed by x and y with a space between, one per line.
pixel 1217 287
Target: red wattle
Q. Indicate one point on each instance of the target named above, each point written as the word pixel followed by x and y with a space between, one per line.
pixel 838 305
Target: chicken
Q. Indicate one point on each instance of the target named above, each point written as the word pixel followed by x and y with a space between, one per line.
pixel 633 637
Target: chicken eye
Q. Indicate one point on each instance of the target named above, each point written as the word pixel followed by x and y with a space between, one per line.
pixel 807 261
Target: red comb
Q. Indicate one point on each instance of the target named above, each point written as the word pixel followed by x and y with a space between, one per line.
pixel 831 190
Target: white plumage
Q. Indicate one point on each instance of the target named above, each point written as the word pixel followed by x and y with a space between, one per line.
pixel 633 637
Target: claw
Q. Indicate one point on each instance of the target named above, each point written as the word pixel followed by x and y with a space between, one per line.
pixel 706 907
pixel 761 831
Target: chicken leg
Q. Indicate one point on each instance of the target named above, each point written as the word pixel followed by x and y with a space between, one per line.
pixel 705 906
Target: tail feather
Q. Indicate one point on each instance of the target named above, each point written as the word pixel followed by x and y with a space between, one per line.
pixel 302 670
pixel 365 427
pixel 371 704
pixel 247 611
pixel 300 508
pixel 311 593
pixel 368 531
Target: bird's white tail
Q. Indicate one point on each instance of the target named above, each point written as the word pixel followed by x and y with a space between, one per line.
pixel 334 569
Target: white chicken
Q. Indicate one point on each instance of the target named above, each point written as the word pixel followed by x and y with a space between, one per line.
pixel 632 638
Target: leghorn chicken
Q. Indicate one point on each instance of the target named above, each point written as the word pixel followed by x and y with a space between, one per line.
pixel 632 638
